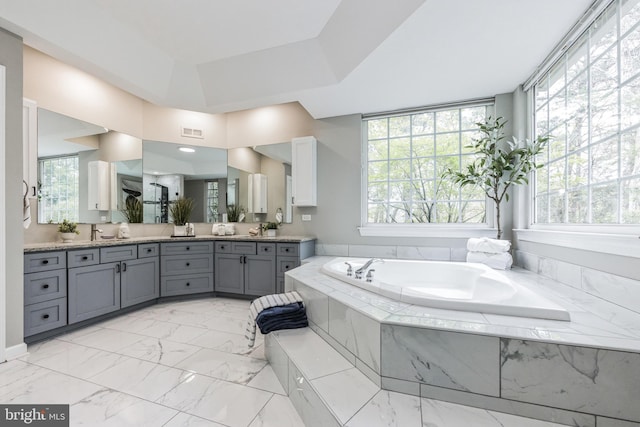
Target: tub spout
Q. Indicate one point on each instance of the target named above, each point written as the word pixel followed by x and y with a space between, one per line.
pixel 361 270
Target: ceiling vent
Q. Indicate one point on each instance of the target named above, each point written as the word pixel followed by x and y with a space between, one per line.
pixel 192 133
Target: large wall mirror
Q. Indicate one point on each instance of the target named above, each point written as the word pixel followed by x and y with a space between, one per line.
pixel 145 177
pixel 67 147
pixel 171 171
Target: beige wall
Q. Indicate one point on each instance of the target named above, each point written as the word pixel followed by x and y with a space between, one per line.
pixel 11 58
pixel 116 146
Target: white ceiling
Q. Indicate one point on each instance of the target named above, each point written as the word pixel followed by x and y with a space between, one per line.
pixel 335 57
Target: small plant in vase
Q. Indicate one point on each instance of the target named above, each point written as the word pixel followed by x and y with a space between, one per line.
pixel 133 210
pixel 235 213
pixel 180 211
pixel 68 230
pixel 270 228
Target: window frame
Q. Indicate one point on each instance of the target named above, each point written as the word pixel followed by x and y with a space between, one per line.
pixel 450 230
pixel 41 205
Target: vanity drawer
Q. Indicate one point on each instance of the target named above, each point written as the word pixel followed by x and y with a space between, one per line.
pixel 284 264
pixel 223 247
pixel 148 250
pixel 118 253
pixel 288 249
pixel 83 257
pixel 243 248
pixel 266 248
pixel 191 284
pixel 44 316
pixel 186 264
pixel 44 286
pixel 181 248
pixel 44 261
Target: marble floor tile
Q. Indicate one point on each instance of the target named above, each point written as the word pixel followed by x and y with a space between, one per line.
pixel 224 366
pixel 107 339
pixel 225 341
pixel 389 409
pixel 216 400
pixel 443 414
pixel 345 392
pixel 225 323
pixel 185 420
pixel 155 350
pixel 43 385
pixel 72 359
pixel 141 378
pixel 266 380
pixel 278 412
pixel 111 408
pixel 156 328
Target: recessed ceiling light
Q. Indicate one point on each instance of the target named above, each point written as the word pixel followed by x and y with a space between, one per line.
pixel 187 150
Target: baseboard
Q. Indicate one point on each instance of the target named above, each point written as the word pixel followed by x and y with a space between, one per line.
pixel 15 351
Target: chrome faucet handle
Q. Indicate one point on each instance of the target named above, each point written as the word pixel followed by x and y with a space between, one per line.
pixel 349 269
pixel 370 275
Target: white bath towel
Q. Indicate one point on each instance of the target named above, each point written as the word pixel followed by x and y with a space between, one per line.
pixel 26 211
pixel 262 303
pixel 485 244
pixel 502 261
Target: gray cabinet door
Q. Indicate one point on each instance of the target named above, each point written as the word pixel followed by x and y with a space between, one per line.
pixel 260 275
pixel 140 281
pixel 93 290
pixel 229 273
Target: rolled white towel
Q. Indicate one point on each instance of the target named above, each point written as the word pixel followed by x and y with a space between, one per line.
pixel 485 244
pixel 502 261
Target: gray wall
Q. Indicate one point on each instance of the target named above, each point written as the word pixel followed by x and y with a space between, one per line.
pixel 11 58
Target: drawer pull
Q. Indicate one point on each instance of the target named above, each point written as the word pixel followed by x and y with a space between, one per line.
pixel 149 250
pixel 45 261
pixel 188 264
pixel 265 249
pixel 188 283
pixel 286 266
pixel 117 268
pixel 286 249
pixel 84 258
pixel 222 246
pixel 45 316
pixel 45 286
pixel 124 266
pixel 188 248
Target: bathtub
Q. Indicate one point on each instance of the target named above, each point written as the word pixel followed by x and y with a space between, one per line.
pixel 449 285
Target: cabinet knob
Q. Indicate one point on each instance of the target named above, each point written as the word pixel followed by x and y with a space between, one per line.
pixel 45 286
pixel 149 250
pixel 188 264
pixel 188 283
pixel 265 249
pixel 45 316
pixel 222 246
pixel 286 249
pixel 45 261
pixel 84 258
pixel 286 266
pixel 188 248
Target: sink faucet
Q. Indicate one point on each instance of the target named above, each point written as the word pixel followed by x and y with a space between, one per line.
pixel 362 269
pixel 94 230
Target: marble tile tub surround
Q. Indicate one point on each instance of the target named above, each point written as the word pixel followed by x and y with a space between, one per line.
pixel 174 364
pixel 616 289
pixel 409 333
pixel 432 253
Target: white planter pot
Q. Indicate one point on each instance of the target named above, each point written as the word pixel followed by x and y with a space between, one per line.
pixel 271 233
pixel 68 237
pixel 179 230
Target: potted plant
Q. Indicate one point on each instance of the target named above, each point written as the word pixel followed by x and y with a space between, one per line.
pixel 270 228
pixel 180 211
pixel 234 212
pixel 132 210
pixel 498 164
pixel 68 230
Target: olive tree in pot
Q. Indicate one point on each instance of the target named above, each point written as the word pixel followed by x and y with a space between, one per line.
pixel 498 164
pixel 180 210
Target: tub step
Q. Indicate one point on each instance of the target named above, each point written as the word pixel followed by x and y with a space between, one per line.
pixel 327 390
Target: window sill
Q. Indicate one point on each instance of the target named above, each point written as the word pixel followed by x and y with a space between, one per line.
pixel 609 243
pixel 443 231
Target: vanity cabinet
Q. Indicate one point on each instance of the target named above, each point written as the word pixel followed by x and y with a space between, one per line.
pixel 246 268
pixel 187 268
pixel 45 292
pixel 107 279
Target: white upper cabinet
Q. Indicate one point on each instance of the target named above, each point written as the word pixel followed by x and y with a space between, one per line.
pixel 257 190
pixel 30 146
pixel 99 185
pixel 304 171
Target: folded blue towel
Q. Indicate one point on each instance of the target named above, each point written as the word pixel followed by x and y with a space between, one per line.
pixel 289 316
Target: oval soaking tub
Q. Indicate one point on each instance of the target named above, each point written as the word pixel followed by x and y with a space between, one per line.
pixel 449 285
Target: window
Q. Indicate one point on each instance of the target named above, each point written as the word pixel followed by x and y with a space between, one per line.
pixel 589 102
pixel 212 201
pixel 405 158
pixel 58 196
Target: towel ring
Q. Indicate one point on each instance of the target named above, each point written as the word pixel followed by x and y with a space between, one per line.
pixel 26 191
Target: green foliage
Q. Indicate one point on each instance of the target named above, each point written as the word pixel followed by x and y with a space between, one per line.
pixel 180 210
pixel 233 212
pixel 133 210
pixel 68 227
pixel 498 163
pixel 270 226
